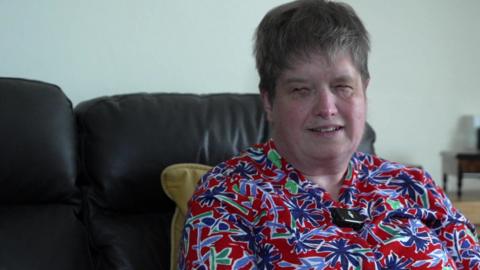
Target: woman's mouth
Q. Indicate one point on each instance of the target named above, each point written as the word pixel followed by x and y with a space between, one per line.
pixel 326 130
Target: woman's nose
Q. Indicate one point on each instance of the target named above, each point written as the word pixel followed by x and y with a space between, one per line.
pixel 325 106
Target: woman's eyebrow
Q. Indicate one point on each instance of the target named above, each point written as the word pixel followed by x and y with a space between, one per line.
pixel 295 80
pixel 343 78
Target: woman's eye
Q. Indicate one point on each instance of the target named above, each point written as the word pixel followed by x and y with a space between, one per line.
pixel 300 91
pixel 344 90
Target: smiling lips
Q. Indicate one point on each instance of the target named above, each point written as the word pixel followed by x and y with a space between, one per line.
pixel 326 130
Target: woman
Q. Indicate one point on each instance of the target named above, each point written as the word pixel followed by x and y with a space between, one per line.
pixel 305 199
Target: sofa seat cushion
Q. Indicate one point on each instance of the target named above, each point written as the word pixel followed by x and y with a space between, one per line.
pixel 43 236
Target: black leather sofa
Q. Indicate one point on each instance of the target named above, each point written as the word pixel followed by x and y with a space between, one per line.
pixel 80 187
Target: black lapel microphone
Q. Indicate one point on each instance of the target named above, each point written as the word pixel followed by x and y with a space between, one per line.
pixel 348 218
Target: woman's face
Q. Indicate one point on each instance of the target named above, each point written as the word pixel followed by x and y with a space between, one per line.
pixel 318 112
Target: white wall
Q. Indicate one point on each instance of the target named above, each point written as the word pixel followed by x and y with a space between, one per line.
pixel 424 61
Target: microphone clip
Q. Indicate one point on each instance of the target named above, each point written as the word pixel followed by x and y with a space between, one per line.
pixel 349 218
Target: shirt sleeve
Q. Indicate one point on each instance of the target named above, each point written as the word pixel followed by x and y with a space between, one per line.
pixel 218 232
pixel 455 231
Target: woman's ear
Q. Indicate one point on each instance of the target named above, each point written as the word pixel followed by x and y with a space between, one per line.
pixel 365 84
pixel 267 105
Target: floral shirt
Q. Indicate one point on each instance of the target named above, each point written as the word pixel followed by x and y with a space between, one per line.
pixel 256 211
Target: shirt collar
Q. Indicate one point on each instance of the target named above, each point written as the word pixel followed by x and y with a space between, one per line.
pixel 280 163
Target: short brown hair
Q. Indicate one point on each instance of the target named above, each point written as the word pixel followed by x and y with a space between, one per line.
pixel 294 30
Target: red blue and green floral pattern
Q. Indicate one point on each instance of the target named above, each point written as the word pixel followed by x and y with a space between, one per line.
pixel 256 211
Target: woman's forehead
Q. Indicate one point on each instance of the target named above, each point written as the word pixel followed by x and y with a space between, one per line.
pixel 339 66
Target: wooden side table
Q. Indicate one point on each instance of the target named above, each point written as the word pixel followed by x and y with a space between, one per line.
pixel 459 163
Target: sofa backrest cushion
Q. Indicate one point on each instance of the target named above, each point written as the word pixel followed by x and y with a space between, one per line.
pixel 125 143
pixel 37 143
pixel 128 140
pixel 368 140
